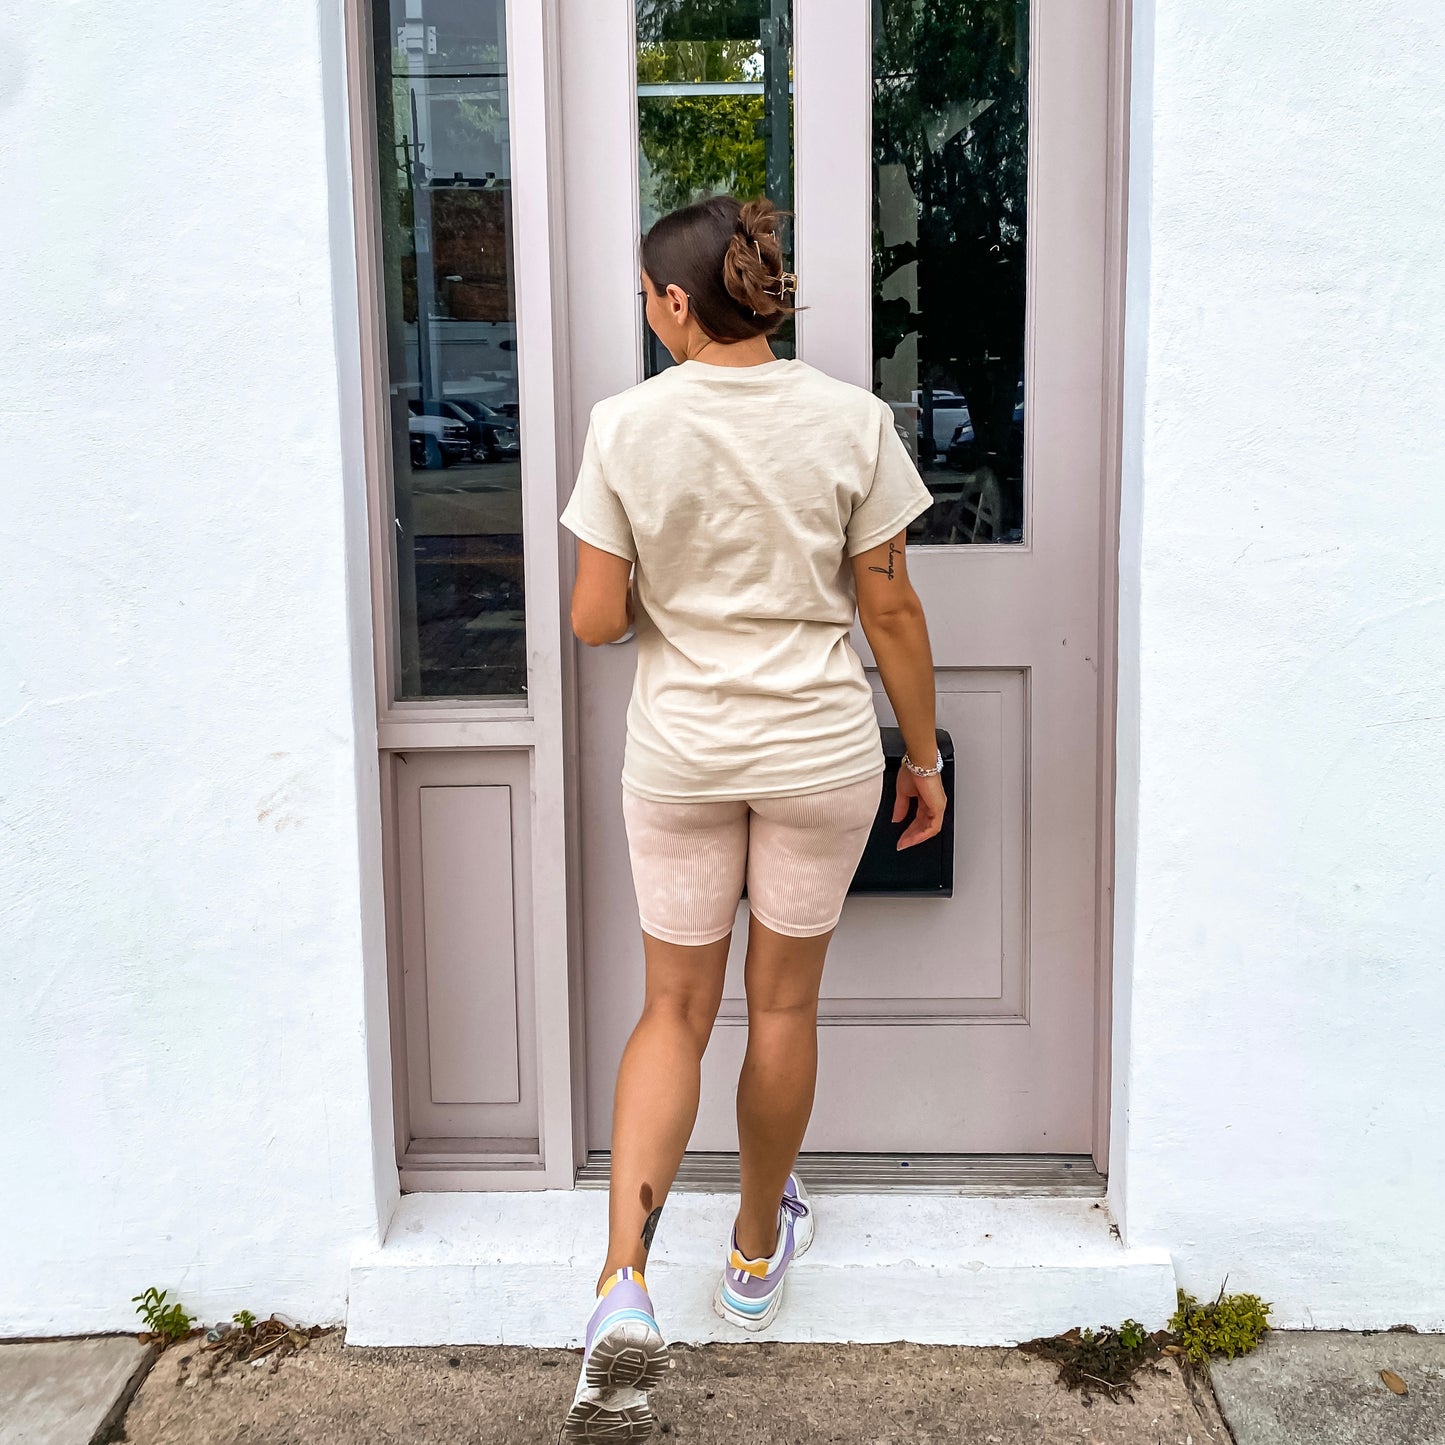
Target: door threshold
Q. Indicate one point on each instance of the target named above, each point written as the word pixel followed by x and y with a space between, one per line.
pixel 977 1174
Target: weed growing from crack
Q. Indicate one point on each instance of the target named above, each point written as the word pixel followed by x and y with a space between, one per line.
pixel 1109 1358
pixel 167 1323
pixel 1231 1325
pixel 244 1340
pixel 1106 1359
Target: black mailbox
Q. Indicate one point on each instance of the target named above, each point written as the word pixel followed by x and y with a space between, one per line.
pixel 926 869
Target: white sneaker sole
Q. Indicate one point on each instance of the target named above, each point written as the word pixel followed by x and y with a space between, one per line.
pixel 611 1402
pixel 608 1415
pixel 630 1356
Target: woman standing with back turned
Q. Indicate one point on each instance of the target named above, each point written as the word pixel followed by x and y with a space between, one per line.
pixel 761 500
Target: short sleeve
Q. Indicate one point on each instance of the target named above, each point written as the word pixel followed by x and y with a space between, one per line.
pixel 897 494
pixel 595 512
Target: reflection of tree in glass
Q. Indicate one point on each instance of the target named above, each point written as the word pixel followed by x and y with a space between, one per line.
pixel 699 144
pixel 950 106
pixel 695 145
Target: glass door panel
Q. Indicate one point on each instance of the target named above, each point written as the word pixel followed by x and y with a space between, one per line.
pixel 446 223
pixel 714 115
pixel 950 181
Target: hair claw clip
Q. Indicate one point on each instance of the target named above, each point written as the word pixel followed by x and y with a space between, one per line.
pixel 787 280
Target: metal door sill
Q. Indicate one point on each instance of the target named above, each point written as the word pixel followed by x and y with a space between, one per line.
pixel 973 1174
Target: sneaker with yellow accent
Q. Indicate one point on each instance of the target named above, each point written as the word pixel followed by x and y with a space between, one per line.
pixel 750 1292
pixel 625 1357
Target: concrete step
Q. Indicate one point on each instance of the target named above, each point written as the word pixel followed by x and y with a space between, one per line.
pixel 934 1269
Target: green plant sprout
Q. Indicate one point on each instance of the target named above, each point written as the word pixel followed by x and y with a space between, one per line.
pixel 1231 1325
pixel 171 1322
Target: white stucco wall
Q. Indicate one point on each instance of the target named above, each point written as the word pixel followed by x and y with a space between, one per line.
pixel 1283 937
pixel 184 900
pixel 187 760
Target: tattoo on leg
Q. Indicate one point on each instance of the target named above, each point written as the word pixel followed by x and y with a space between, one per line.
pixel 888 570
pixel 649 1228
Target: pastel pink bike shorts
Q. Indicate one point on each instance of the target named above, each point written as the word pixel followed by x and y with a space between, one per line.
pixel 797 855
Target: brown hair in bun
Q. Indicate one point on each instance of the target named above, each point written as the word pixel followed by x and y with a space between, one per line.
pixel 726 255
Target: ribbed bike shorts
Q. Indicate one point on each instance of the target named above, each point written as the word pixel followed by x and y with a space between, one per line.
pixel 797 855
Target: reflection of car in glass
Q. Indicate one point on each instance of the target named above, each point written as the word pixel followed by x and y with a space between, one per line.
pixel 493 435
pixel 436 441
pixel 950 412
pixel 962 453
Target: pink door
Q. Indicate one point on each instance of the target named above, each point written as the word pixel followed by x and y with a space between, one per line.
pixel 951 187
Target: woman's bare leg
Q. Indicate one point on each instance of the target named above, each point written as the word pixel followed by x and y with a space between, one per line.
pixel 775 1088
pixel 657 1089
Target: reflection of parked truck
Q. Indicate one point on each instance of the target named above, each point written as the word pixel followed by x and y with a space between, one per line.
pixel 436 441
pixel 460 429
pixel 493 435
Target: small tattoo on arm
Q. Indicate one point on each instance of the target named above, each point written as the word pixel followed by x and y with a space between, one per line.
pixel 888 570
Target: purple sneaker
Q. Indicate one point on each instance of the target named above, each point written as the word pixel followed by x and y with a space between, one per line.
pixel 624 1359
pixel 750 1292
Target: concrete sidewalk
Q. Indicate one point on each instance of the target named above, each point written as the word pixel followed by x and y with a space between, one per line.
pixel 68 1392
pixel 1324 1386
pixel 1298 1388
pixel 741 1394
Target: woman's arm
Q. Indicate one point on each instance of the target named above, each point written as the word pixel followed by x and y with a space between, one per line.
pixel 893 623
pixel 601 596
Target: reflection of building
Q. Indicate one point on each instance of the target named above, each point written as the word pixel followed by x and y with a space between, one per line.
pixel 479 358
pixel 314 882
pixel 469 237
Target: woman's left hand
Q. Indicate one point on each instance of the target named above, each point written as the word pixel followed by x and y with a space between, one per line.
pixel 932 800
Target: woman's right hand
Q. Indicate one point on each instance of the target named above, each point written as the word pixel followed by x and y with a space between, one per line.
pixel 931 802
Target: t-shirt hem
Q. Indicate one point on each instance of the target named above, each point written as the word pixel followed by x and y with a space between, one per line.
pixel 876 768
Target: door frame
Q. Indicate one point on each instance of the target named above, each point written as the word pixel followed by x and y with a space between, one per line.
pixel 534 726
pixel 546 725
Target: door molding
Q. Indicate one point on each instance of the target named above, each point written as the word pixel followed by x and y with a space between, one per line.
pixel 1116 198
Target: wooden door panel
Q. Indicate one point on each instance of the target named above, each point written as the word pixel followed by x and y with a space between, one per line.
pixel 957 957
pixel 470 955
pixel 463 832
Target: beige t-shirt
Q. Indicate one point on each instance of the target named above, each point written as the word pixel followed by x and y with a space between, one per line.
pixel 740 493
